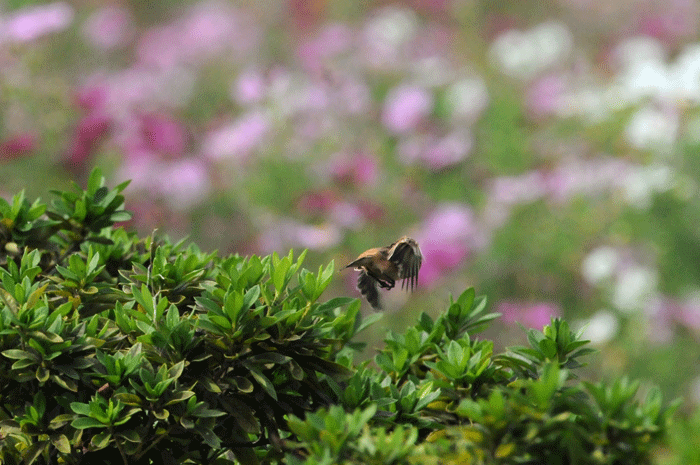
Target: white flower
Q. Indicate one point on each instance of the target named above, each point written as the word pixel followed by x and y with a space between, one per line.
pixel 467 98
pixel 651 129
pixel 600 264
pixel 601 327
pixel 524 54
pixel 634 288
pixel 641 183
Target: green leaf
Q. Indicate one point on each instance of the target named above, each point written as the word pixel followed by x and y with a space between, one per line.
pixel 100 195
pixel 95 181
pixel 42 374
pixel 17 354
pixel 101 440
pixel 211 439
pixel 180 397
pixel 86 422
pixel 120 216
pixel 61 443
pixel 251 297
pixel 33 452
pixel 264 382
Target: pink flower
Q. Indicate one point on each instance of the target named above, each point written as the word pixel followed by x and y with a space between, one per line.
pixel 690 313
pixel 250 87
pixel 405 107
pixel 436 153
pixel 305 13
pixel 432 6
pixel 347 215
pixel 184 183
pixel 17 146
pixel 513 190
pixel 109 27
pixel 163 134
pixel 180 183
pixel 544 95
pixel 238 139
pixel 446 239
pixel 207 29
pixel 531 315
pixel 675 21
pixel 439 259
pixel 316 203
pixel 667 312
pixel 92 97
pixel 332 40
pixel 354 96
pixel 140 167
pixel 286 233
pixel 88 134
pixel 587 177
pixel 160 46
pixel 213 28
pixel 372 211
pixel 30 23
pixel 358 169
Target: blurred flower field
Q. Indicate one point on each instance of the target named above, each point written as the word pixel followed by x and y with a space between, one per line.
pixel 543 152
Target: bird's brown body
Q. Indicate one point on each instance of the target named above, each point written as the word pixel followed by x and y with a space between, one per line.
pixel 384 265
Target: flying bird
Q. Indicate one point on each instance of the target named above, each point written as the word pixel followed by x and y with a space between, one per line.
pixel 382 266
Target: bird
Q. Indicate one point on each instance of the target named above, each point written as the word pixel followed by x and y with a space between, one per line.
pixel 382 266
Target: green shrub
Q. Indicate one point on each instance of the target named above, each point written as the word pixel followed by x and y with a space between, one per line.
pixel 116 349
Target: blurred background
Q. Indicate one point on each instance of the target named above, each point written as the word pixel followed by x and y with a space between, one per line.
pixel 543 152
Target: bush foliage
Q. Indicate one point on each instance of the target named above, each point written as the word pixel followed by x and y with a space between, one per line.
pixel 119 349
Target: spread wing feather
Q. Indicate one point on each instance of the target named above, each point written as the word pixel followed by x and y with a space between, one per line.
pixel 367 286
pixel 408 258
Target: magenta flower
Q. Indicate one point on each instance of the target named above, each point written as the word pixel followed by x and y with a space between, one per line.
pixel 359 169
pixel 433 6
pixel 405 107
pixel 30 23
pixel 531 315
pixel 372 211
pixel 674 21
pixel 446 238
pixel 163 134
pixel 91 98
pixel 439 259
pixel 17 146
pixel 316 203
pixel 90 131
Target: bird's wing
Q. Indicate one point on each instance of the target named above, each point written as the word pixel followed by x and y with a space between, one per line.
pixel 367 286
pixel 408 258
pixel 360 261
